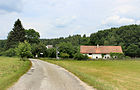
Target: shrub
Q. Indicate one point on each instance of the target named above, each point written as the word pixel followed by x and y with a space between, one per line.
pixel 79 56
pixel 51 52
pixel 24 50
pixel 127 57
pixel 117 55
pixel 64 55
pixel 10 52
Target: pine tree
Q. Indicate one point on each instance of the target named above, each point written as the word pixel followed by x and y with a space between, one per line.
pixel 16 35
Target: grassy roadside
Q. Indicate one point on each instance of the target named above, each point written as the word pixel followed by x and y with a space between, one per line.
pixel 11 69
pixel 105 75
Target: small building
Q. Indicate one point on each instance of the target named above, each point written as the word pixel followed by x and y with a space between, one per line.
pixel 96 52
pixel 49 46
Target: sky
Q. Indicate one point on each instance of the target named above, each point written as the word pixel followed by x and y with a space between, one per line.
pixel 61 18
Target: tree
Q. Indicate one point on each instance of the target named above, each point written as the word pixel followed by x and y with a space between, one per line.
pixel 16 35
pixel 40 50
pixel 51 52
pixel 32 36
pixel 24 50
pixel 132 50
pixel 2 45
pixel 66 48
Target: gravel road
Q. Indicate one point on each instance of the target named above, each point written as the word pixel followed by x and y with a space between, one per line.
pixel 46 76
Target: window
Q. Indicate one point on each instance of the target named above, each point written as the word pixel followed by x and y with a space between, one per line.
pixel 90 53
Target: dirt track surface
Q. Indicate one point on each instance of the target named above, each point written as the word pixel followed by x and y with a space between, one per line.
pixel 46 76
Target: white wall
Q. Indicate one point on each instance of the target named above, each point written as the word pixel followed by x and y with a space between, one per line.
pixel 89 55
pixel 106 56
pixel 98 56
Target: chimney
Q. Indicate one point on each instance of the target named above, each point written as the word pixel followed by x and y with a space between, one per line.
pixel 97 46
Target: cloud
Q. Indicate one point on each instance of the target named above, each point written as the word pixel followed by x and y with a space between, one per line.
pixel 124 1
pixel 138 22
pixel 11 6
pixel 63 22
pixel 124 9
pixel 117 20
pixel 57 18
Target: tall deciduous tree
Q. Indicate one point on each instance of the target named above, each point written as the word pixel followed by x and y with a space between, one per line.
pixel 16 35
pixel 32 36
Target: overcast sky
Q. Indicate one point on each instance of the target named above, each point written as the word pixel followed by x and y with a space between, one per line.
pixel 61 18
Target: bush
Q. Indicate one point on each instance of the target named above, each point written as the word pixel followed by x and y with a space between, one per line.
pixel 64 55
pixel 79 56
pixel 66 48
pixel 127 57
pixel 1 53
pixel 24 50
pixel 10 52
pixel 117 55
pixel 51 52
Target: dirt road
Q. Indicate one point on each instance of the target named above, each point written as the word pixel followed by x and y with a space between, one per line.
pixel 46 76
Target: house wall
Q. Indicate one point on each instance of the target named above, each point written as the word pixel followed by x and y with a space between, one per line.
pixel 106 56
pixel 94 56
pixel 89 55
pixel 98 56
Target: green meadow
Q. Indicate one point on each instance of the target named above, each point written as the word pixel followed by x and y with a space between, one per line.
pixel 105 74
pixel 10 70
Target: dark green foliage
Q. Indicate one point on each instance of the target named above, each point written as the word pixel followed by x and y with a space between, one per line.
pixel 66 48
pixel 117 55
pixel 16 35
pixel 123 36
pixel 79 56
pixel 75 40
pixel 133 50
pixel 126 36
pixel 64 55
pixel 103 55
pixel 2 45
pixel 32 36
pixel 9 53
pixel 37 49
pixel 51 52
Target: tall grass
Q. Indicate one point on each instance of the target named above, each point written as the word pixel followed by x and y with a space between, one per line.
pixel 105 74
pixel 10 70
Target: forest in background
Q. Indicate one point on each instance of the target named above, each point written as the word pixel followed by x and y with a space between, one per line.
pixel 126 36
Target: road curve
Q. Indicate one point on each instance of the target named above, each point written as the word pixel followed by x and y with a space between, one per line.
pixel 47 76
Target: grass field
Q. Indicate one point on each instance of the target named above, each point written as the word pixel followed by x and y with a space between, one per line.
pixel 105 75
pixel 10 70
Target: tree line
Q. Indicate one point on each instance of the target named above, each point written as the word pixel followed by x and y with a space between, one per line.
pixel 126 36
pixel 29 40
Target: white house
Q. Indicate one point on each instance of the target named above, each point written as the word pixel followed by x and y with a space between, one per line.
pixel 96 52
pixel 49 46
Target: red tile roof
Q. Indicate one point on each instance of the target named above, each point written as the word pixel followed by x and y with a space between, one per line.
pixel 100 49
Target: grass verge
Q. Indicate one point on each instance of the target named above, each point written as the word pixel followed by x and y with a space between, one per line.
pixel 11 69
pixel 105 75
